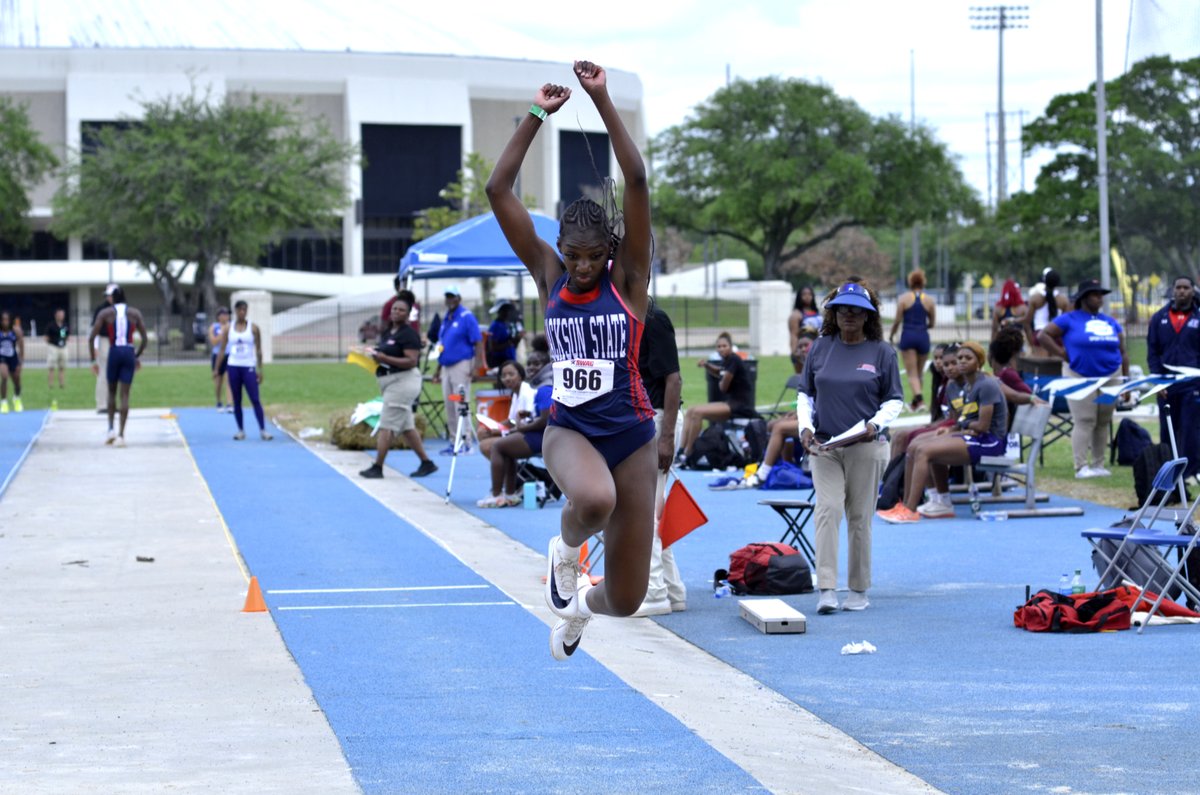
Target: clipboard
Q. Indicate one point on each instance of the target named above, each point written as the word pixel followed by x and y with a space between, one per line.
pixel 855 433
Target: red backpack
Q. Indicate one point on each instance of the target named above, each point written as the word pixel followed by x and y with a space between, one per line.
pixel 1047 611
pixel 766 569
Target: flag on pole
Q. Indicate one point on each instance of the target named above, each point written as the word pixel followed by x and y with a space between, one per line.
pixel 681 515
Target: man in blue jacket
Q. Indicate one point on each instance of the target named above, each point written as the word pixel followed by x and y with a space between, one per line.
pixel 1174 338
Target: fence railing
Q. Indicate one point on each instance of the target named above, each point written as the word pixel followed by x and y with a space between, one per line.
pixel 328 330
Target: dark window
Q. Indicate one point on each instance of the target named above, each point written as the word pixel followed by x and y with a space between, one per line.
pixel 44 245
pixel 581 173
pixel 306 250
pixel 407 166
pixel 36 309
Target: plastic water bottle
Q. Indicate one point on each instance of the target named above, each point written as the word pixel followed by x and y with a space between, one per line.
pixel 1064 585
pixel 529 495
pixel 1077 583
pixel 975 507
pixel 722 590
pixel 993 516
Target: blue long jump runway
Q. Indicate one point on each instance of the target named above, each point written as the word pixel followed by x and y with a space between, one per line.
pixel 956 694
pixel 461 697
pixel 18 430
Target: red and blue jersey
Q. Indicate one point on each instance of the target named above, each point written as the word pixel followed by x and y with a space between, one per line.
pixel 594 343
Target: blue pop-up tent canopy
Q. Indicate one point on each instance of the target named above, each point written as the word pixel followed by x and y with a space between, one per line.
pixel 472 248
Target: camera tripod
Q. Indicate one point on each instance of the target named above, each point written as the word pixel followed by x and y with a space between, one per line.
pixel 463 433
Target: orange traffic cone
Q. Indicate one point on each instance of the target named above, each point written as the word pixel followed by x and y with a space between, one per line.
pixel 254 598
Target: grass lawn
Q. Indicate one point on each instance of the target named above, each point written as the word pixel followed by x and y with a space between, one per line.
pixel 307 395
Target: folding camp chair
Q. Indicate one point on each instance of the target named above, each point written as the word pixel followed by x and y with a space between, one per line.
pixel 1030 422
pixel 1121 565
pixel 1163 543
pixel 783 404
pixel 1059 423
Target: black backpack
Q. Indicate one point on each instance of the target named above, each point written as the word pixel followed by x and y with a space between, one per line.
pixel 891 486
pixel 1146 466
pixel 757 437
pixel 1131 439
pixel 714 450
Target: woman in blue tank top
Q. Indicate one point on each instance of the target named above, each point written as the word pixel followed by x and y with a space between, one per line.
pixel 917 312
pixel 599 443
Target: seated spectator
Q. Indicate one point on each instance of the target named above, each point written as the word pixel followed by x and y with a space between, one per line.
pixel 1001 354
pixel 980 432
pixel 734 384
pixel 947 400
pixel 512 378
pixel 368 331
pixel 524 440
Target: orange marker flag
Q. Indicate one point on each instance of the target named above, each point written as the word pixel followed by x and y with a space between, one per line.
pixel 681 515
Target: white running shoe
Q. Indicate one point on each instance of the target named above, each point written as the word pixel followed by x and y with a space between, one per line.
pixel 828 602
pixel 936 509
pixel 562 584
pixel 1101 472
pixel 566 635
pixel 111 437
pixel 857 600
pixel 1085 472
pixel 120 442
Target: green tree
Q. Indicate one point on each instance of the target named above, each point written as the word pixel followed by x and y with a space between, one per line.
pixel 1153 164
pixel 784 165
pixel 24 162
pixel 196 182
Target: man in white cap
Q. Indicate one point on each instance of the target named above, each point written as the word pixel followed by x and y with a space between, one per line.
pixel 462 353
pixel 102 354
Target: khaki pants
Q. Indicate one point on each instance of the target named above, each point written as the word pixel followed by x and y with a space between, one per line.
pixel 665 582
pixel 455 376
pixel 847 483
pixel 102 378
pixel 1090 424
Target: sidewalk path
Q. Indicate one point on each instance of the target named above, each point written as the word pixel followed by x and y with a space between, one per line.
pixel 127 676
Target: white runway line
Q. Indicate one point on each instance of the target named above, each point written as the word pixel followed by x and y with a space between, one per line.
pixel 378 607
pixel 380 590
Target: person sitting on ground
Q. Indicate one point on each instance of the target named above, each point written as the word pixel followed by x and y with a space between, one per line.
pixel 980 432
pixel 525 439
pixel 1010 309
pixel 734 384
pixel 520 407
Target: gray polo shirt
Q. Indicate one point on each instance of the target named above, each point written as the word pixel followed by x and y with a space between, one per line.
pixel 848 383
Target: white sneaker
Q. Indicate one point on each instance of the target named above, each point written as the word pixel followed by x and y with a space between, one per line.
pixel 562 584
pixel 936 509
pixel 828 602
pixel 120 441
pixel 1085 472
pixel 566 635
pixel 1100 472
pixel 661 607
pixel 857 600
pixel 110 437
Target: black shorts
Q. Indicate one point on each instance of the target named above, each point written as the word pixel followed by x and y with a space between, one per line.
pixel 224 364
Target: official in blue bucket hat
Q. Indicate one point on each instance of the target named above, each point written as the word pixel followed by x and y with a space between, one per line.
pixel 850 379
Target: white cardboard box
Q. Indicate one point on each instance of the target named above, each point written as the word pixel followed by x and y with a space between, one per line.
pixel 773 616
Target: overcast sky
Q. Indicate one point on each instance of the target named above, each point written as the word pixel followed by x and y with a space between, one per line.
pixel 682 49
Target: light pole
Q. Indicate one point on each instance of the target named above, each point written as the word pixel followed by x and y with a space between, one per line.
pixel 999 18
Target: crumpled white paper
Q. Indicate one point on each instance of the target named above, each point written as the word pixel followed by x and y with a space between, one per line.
pixel 866 647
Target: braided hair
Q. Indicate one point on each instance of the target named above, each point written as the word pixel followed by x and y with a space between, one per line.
pixel 586 215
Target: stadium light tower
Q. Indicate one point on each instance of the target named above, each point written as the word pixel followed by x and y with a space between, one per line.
pixel 1000 18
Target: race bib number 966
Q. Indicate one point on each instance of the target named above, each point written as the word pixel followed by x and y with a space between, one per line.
pixel 576 381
